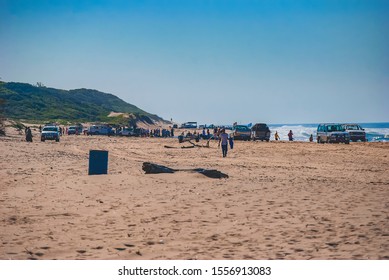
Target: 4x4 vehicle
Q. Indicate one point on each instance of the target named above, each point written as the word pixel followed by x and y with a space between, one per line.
pixel 100 130
pixel 189 125
pixel 332 133
pixel 241 132
pixel 50 133
pixel 76 130
pixel 260 131
pixel 130 132
pixel 356 132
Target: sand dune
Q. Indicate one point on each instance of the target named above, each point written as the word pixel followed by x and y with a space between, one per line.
pixel 282 201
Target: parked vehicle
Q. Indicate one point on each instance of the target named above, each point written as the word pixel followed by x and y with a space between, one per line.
pixel 75 129
pixel 100 130
pixel 189 125
pixel 241 132
pixel 130 132
pixel 357 133
pixel 260 131
pixel 332 133
pixel 50 133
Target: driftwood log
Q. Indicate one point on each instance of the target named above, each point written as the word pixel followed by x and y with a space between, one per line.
pixel 152 168
pixel 188 147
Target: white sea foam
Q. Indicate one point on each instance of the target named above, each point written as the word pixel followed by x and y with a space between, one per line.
pixel 302 132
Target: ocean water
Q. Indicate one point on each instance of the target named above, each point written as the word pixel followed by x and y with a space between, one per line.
pixel 375 132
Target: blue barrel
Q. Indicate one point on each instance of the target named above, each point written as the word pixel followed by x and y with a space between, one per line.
pixel 98 162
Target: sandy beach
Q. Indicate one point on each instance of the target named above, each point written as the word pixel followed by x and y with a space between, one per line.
pixel 282 200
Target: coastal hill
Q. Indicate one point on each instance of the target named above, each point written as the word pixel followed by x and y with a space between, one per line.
pixel 26 102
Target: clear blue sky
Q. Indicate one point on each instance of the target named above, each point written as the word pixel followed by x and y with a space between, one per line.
pixel 211 61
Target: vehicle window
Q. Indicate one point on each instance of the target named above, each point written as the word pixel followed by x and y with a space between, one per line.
pixel 50 129
pixel 336 127
pixel 353 127
pixel 242 128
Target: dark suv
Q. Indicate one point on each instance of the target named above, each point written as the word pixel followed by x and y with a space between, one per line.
pixel 260 131
pixel 332 133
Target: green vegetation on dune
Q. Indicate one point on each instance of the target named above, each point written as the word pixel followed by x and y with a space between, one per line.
pixel 27 102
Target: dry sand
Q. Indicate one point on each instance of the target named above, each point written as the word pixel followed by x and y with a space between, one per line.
pixel 282 201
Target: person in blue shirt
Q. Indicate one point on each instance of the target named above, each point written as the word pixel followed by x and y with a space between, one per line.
pixel 223 140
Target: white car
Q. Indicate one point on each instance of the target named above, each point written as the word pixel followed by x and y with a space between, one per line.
pixel 332 133
pixel 129 132
pixel 357 133
pixel 50 133
pixel 100 130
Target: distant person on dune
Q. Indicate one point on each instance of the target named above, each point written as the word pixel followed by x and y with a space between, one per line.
pixel 290 135
pixel 223 139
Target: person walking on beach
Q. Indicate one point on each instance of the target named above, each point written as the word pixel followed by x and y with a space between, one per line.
pixel 231 141
pixel 223 139
pixel 290 135
pixel 311 138
pixel 276 136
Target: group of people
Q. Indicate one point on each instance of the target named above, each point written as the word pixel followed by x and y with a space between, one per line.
pixel 290 136
pixel 219 133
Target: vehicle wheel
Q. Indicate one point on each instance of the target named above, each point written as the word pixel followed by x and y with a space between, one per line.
pixel 267 140
pixel 348 142
pixel 318 139
pixel 56 140
pixel 43 140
